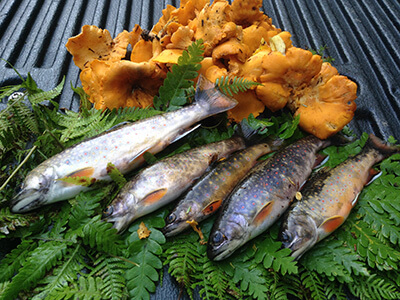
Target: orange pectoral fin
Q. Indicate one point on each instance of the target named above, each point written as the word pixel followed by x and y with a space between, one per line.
pixel 263 213
pixel 332 223
pixel 212 207
pixel 372 175
pixel 154 197
pixel 85 172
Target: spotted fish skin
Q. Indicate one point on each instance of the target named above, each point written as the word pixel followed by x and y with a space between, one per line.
pixel 209 192
pixel 328 198
pixel 164 181
pixel 123 146
pixel 262 196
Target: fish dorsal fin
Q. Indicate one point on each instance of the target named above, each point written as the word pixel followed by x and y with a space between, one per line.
pixel 372 175
pixel 141 152
pixel 154 197
pixel 85 172
pixel 185 132
pixel 332 223
pixel 263 213
pixel 212 207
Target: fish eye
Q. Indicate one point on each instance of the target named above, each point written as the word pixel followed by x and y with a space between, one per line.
pixel 171 218
pixel 108 211
pixel 218 238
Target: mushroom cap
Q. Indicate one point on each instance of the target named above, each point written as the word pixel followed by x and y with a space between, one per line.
pixel 95 43
pixel 327 104
pixel 121 83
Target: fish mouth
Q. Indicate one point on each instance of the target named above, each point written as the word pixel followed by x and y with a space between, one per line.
pixel 27 199
pixel 120 222
pixel 174 228
pixel 222 251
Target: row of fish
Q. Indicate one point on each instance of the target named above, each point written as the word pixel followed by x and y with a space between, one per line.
pixel 249 195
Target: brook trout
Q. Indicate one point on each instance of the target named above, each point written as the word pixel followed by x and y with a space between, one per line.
pixel 123 147
pixel 162 182
pixel 262 196
pixel 209 192
pixel 328 198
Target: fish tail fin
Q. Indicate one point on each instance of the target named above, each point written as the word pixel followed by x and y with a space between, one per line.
pixel 251 136
pixel 383 148
pixel 211 99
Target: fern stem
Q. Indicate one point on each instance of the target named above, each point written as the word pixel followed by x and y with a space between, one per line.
pixel 17 168
pixel 124 259
pixel 12 104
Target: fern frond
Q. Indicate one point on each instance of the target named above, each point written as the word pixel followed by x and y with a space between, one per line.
pixel 111 271
pixel 281 287
pixel 375 287
pixel 101 236
pixel 40 96
pixel 10 221
pixel 377 253
pixel 311 281
pixel 40 260
pixel 233 85
pixel 85 205
pixel 145 253
pixel 251 280
pixel 84 288
pixel 335 290
pixel 13 261
pixel 335 261
pixel 270 254
pixel 182 257
pixel 66 272
pixel 172 94
pixel 213 282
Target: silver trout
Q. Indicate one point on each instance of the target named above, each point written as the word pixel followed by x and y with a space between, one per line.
pixel 164 181
pixel 328 198
pixel 209 192
pixel 262 196
pixel 123 147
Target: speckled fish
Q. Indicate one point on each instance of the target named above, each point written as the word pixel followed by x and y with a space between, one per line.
pixel 123 147
pixel 328 198
pixel 164 181
pixel 263 196
pixel 209 192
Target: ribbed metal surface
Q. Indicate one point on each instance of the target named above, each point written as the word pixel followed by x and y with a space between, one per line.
pixel 362 36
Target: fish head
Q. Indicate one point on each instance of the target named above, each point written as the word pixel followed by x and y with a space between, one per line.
pixel 35 190
pixel 121 211
pixel 225 239
pixel 176 221
pixel 299 233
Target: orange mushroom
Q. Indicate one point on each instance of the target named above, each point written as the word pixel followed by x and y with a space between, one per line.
pixel 95 43
pixel 121 83
pixel 327 104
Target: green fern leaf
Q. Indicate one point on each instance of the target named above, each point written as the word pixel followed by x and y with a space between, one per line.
pixel 281 287
pixel 233 85
pixel 40 260
pixel 251 279
pixel 67 272
pixel 116 175
pixel 335 261
pixel 13 261
pixel 40 96
pixel 145 253
pixel 375 287
pixel 270 254
pixel 378 254
pixel 111 271
pixel 311 281
pixel 172 94
pixel 213 281
pixel 182 255
pixel 101 236
pixel 84 207
pixel 84 289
